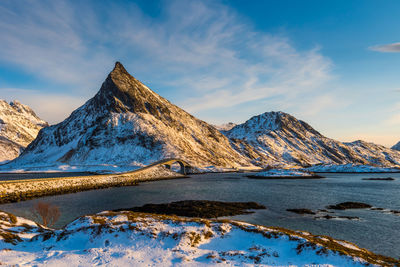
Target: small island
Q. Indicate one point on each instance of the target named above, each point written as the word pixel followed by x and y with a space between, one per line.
pixel 379 179
pixel 349 205
pixel 284 174
pixel 199 208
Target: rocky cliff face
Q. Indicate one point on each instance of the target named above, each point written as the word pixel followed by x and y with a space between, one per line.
pixel 126 123
pixel 277 138
pixel 19 125
pixel 396 146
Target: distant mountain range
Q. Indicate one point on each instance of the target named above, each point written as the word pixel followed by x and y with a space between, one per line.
pixel 126 123
pixel 396 146
pixel 19 125
pixel 277 138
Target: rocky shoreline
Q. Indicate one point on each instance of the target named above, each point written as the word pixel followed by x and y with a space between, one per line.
pixel 20 190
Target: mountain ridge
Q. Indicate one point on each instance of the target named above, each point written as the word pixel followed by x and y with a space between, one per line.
pixel 127 123
pixel 396 146
pixel 278 138
pixel 19 125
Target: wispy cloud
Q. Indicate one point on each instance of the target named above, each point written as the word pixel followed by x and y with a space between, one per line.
pixel 394 118
pixel 322 102
pixel 52 107
pixel 387 48
pixel 202 51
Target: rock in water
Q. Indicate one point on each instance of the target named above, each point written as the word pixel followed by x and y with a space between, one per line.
pixel 19 125
pixel 302 211
pixel 126 123
pixel 349 205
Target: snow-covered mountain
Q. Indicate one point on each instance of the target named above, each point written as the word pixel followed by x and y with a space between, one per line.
pixel 19 125
pixel 277 138
pixel 126 123
pixel 396 146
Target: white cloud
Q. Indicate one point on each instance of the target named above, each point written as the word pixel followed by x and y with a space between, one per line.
pixel 387 48
pixel 202 50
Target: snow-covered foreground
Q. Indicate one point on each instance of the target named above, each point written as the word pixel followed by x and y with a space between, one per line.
pixel 350 168
pixel 137 239
pixel 284 173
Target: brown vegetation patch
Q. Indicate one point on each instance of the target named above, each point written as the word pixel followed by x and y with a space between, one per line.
pixel 199 208
pixel 8 217
pixel 9 237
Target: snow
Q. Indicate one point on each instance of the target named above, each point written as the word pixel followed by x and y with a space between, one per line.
pixel 350 168
pixel 19 125
pixel 284 173
pixel 136 239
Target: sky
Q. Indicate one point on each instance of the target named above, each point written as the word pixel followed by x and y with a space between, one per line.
pixel 334 64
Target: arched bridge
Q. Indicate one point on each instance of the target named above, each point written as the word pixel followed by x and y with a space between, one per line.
pixel 185 166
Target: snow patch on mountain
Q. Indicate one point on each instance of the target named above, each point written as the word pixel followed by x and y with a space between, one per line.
pixel 19 125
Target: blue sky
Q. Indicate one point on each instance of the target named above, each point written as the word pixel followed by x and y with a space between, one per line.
pixel 333 64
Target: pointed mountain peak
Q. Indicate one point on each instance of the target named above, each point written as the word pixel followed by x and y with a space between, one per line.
pixel 119 69
pixel 267 122
pixel 121 78
pixel 121 92
pixel 119 81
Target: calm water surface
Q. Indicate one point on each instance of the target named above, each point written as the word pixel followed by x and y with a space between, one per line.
pixel 376 230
